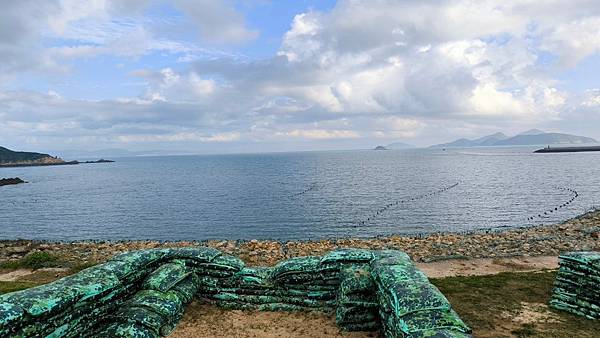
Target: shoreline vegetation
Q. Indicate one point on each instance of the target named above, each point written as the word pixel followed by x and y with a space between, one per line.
pixel 579 233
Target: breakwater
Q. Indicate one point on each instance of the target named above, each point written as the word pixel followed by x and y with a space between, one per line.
pixel 568 149
pixel 144 293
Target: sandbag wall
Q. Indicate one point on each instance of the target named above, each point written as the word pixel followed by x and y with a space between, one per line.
pixel 576 288
pixel 144 294
pixel 136 294
pixel 409 305
pixel 300 283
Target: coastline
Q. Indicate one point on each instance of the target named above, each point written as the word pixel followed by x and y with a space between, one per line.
pixel 47 164
pixel 579 233
pixel 18 165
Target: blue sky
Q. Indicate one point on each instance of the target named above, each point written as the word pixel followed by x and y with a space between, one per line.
pixel 258 75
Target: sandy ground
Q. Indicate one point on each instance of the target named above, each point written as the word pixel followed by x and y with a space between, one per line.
pixel 486 266
pixel 209 321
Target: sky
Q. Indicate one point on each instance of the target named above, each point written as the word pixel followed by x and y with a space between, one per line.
pixel 226 76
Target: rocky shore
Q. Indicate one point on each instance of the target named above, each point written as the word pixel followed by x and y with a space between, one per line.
pixel 580 233
pixel 11 181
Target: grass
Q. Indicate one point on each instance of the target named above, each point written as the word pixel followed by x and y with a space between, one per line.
pixel 489 303
pixel 6 287
pixel 34 260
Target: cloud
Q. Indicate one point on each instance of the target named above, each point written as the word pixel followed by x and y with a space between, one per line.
pixel 218 21
pixel 364 71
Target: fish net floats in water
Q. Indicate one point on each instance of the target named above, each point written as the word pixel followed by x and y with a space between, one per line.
pixel 145 293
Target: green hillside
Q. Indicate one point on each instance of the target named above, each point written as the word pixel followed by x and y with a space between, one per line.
pixel 9 156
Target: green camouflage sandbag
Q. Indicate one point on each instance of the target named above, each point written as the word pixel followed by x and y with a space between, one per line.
pixel 259 299
pixel 126 330
pixel 391 257
pixel 168 304
pixel 590 259
pixel 297 265
pixel 355 327
pixel 51 298
pixel 355 315
pixel 166 276
pixel 274 307
pixel 197 254
pixel 143 316
pixel 187 288
pixel 223 265
pixel 433 320
pixel 347 256
pixel 10 314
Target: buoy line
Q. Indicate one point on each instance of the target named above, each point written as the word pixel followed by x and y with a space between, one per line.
pixel 311 187
pixel 403 201
pixel 574 195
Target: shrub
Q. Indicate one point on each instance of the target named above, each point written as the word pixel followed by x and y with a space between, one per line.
pixel 38 260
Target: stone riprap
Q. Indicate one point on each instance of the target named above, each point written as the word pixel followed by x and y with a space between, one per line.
pixel 144 294
pixel 578 234
pixel 576 288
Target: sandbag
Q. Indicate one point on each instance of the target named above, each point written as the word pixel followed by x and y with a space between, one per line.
pixel 166 277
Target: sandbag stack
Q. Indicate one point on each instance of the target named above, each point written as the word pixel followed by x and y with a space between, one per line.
pixel 302 283
pixel 78 305
pixel 409 305
pixel 357 308
pixel 577 284
pixel 155 310
pixel 253 289
pixel 144 293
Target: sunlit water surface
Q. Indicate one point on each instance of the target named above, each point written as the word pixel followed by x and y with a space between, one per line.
pixel 299 195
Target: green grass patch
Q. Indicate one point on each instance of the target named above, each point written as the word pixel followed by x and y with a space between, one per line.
pixel 34 260
pixel 6 287
pixel 488 304
pixel 82 266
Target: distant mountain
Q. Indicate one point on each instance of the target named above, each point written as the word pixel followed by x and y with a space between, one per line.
pixel 530 137
pixel 546 138
pixel 489 140
pixel 533 132
pixel 8 156
pixel 399 145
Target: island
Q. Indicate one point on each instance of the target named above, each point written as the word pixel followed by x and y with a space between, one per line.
pixel 530 137
pixel 11 181
pixel 99 161
pixel 380 148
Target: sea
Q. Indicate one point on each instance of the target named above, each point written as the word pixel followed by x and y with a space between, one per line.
pixel 299 195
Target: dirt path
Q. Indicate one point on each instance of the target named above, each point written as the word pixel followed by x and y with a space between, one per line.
pixel 487 266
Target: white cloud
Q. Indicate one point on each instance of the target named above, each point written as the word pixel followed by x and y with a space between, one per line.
pixel 320 134
pixel 361 71
pixel 218 20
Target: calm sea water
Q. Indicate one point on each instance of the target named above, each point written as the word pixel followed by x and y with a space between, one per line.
pixel 299 195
